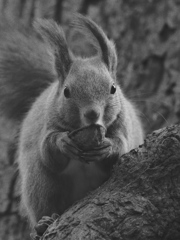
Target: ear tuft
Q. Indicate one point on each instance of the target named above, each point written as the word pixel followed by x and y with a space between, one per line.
pixel 54 35
pixel 106 48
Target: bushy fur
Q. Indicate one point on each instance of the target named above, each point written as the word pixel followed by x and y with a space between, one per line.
pixel 26 68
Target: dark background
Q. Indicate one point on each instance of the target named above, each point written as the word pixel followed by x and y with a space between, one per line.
pixel 147 37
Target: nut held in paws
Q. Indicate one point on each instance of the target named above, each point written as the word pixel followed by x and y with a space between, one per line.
pixel 89 137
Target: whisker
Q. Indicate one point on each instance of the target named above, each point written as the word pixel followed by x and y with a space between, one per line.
pixel 146 117
pixel 160 114
pixel 153 110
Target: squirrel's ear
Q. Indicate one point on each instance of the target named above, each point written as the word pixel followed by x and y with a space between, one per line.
pixel 54 35
pixel 105 47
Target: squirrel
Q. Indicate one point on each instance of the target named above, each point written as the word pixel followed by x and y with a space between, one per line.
pixel 52 92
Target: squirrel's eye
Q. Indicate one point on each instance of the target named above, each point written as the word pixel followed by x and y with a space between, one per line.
pixel 113 89
pixel 66 92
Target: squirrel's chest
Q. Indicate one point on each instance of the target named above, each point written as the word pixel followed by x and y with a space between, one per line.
pixel 84 177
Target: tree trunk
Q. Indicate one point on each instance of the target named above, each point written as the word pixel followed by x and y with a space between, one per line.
pixel 140 201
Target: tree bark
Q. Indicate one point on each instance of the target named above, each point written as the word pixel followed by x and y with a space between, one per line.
pixel 140 201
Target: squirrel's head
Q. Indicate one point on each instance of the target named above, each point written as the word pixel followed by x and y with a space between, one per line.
pixel 88 90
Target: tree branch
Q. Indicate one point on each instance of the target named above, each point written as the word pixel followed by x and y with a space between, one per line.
pixel 139 201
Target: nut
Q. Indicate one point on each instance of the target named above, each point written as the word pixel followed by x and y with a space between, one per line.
pixel 89 137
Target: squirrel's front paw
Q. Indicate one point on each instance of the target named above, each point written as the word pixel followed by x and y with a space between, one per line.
pixel 68 147
pixel 98 154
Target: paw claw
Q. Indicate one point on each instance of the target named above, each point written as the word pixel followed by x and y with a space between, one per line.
pixel 43 224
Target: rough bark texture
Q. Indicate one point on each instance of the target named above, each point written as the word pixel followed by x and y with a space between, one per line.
pixel 140 201
pixel 147 36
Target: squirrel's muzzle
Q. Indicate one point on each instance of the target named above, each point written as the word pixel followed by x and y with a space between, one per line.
pixel 91 115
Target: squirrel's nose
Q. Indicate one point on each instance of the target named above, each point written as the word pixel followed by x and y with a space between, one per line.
pixel 92 116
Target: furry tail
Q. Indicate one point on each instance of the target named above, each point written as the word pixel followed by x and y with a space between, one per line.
pixel 27 67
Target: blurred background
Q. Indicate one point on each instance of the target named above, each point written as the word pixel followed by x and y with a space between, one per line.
pixel 147 38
